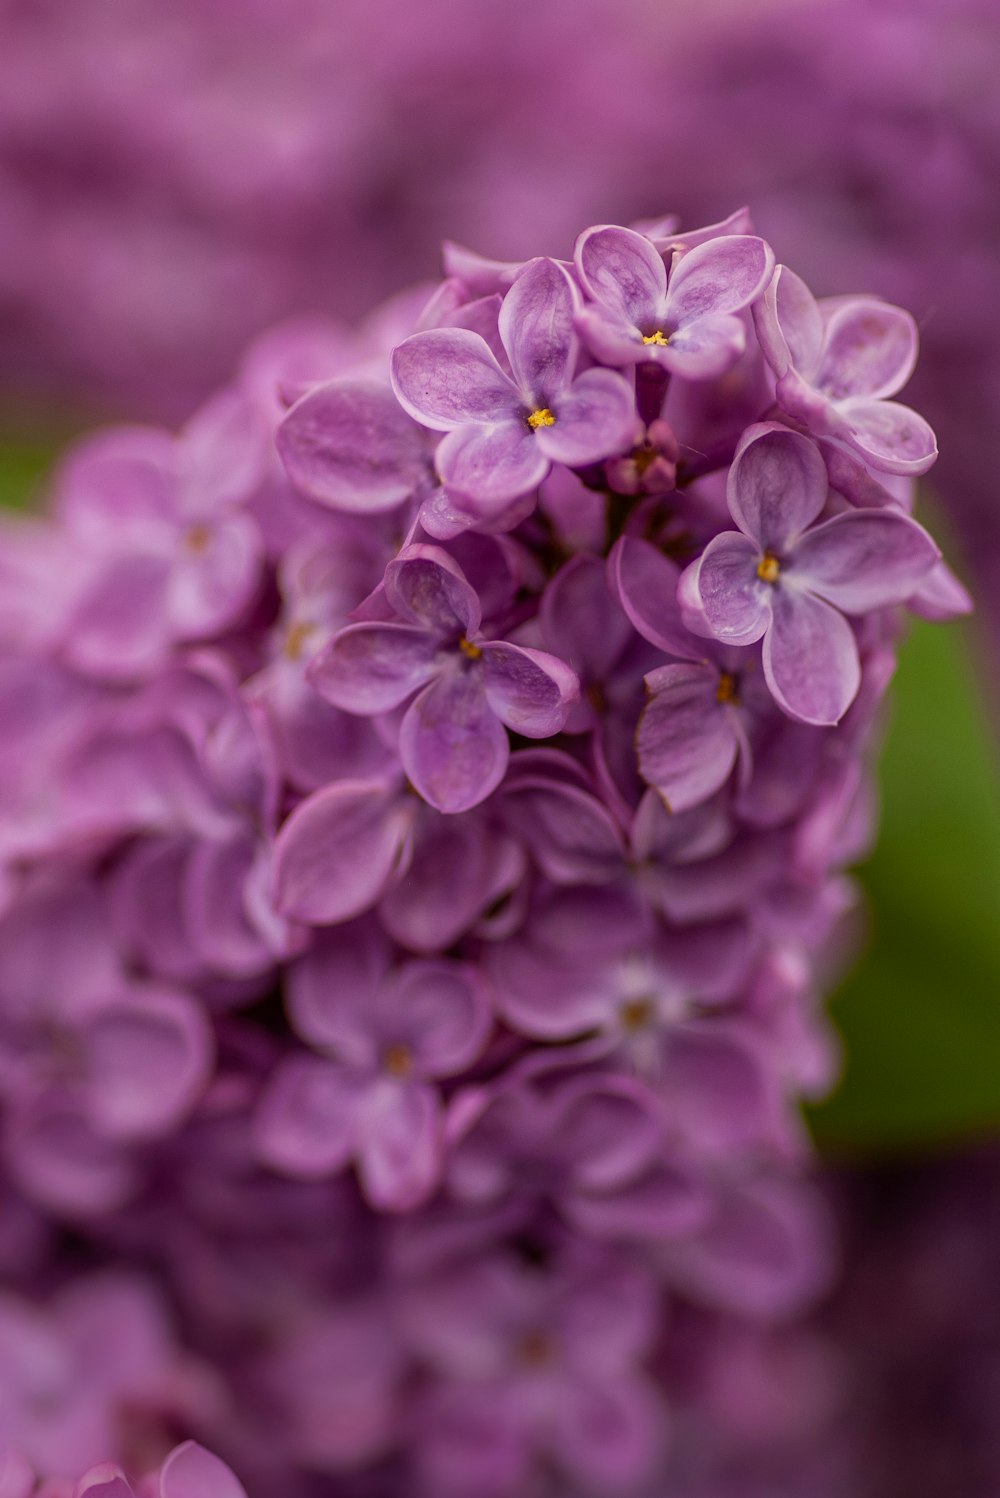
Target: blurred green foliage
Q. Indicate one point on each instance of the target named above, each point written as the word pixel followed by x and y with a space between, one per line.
pixel 920 1015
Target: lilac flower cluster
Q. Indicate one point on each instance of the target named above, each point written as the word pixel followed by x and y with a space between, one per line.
pixel 422 837
pixel 189 1471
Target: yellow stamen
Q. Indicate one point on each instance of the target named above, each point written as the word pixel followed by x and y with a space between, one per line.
pixel 768 568
pixel 543 417
pixel 534 1349
pixel 398 1060
pixel 467 648
pixel 726 690
pixel 296 638
pixel 636 1014
pixel 198 539
pixel 659 338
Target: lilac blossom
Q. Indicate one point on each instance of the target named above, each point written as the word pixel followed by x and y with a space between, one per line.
pixel 506 430
pixel 333 1001
pixel 469 689
pixel 786 580
pixel 686 322
pixel 836 364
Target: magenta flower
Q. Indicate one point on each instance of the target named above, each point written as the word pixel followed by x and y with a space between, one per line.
pixel 390 1037
pixel 506 430
pixel 468 689
pixel 836 362
pixel 687 323
pixel 787 581
pixel 168 553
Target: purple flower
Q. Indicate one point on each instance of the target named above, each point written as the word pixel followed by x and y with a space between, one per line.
pixel 836 362
pixel 785 580
pixel 687 324
pixel 506 430
pixel 468 689
pixel 537 1366
pixel 391 1036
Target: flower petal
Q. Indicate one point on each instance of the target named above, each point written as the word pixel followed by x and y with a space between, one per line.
pixel 721 275
pixel 399 1145
pixel 623 271
pixel 735 603
pixel 789 325
pixel 492 464
pixel 307 1120
pixel 372 668
pixel 644 582
pixel 810 659
pixel 426 586
pixel 339 850
pixel 149 1057
pixel 890 437
pixel 446 377
pixel 686 741
pixel 869 350
pixel 350 445
pixel 777 485
pixel 705 347
pixel 864 559
pixel 192 1472
pixel 536 327
pixel 595 418
pixel 454 748
pixel 445 1016
pixel 529 690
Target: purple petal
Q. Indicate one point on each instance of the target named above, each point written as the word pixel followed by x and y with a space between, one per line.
pixel 611 338
pixel 719 1087
pixel 103 1481
pixel 460 866
pixel 735 603
pixel 777 485
pixel 307 1121
pixel 664 1204
pixel 864 560
pixel 581 620
pixel 399 1145
pixel 573 836
pixel 444 1012
pixel 330 992
pixel 789 325
pixel 686 741
pixel 454 748
pixel 150 1057
pixel 869 350
pixel 222 453
pixel 536 327
pixel 213 582
pixel 119 487
pixel 372 668
pixel 609 1132
pixel 426 586
pixel 492 464
pixel 594 419
pixel 721 275
pixel 890 437
pixel 192 1472
pixel 339 850
pixel 350 445
pixel 446 377
pixel 705 348
pixel 529 690
pixel 623 271
pixel 645 583
pixel 119 629
pixel 810 659
pixel 609 1435
pixel 941 596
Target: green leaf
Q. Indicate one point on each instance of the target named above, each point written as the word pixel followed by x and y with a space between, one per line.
pixel 920 1017
pixel 23 465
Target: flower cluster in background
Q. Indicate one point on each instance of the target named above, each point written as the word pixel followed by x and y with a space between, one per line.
pixel 424 811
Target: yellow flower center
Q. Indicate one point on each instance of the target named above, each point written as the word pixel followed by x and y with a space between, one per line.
pixel 534 1349
pixel 296 638
pixel 659 338
pixel 198 539
pixel 467 648
pixel 767 568
pixel 398 1060
pixel 636 1014
pixel 726 690
pixel 543 417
